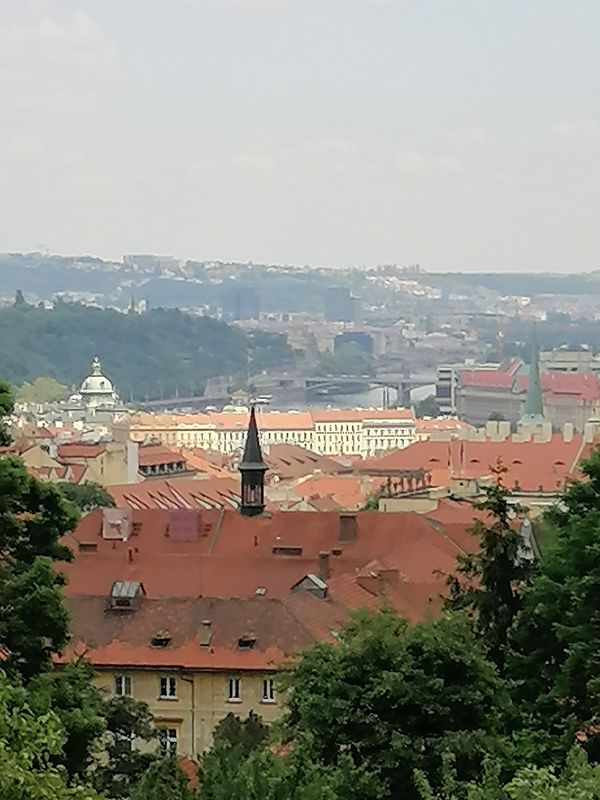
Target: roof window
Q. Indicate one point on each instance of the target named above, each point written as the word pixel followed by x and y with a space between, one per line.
pixel 247 641
pixel 125 595
pixel 161 639
pixel 283 550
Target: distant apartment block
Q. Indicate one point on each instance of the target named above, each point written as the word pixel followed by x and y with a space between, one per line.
pixel 326 432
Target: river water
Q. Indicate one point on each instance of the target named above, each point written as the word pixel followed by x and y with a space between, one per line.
pixel 373 398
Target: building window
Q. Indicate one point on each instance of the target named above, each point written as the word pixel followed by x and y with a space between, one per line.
pixel 123 685
pixel 233 686
pixel 167 741
pixel 168 687
pixel 268 690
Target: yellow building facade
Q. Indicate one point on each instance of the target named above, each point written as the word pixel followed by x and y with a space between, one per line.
pixel 187 705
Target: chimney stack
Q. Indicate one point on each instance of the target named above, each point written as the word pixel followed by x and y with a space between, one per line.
pixel 324 568
pixel 348 528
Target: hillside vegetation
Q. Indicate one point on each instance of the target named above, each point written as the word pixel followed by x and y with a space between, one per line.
pixel 147 356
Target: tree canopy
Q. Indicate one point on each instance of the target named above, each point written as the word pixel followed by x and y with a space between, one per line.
pixel 42 390
pixel 86 496
pixel 161 353
pixel 349 359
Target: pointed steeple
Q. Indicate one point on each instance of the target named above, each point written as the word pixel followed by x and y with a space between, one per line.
pixel 252 468
pixel 533 413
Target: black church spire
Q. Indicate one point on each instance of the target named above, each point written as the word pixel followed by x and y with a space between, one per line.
pixel 252 468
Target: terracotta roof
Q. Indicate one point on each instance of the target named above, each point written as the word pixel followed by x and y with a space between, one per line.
pixel 349 492
pixel 530 464
pixel 487 379
pixel 442 424
pixel 79 450
pixel 150 455
pixel 124 638
pixel 232 556
pixel 573 384
pixel 177 493
pixel 288 461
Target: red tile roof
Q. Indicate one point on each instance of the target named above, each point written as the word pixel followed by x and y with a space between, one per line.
pixel 530 464
pixel 575 384
pixel 150 455
pixel 487 379
pixel 177 493
pixel 79 450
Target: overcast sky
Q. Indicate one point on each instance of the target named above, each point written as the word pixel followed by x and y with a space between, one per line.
pixel 459 134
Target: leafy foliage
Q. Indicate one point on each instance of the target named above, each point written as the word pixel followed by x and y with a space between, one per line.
pixel 556 637
pixel 128 723
pixel 33 518
pixel 29 744
pixel 42 390
pixel 86 496
pixel 489 580
pixel 6 407
pixel 578 781
pixel 349 359
pixel 70 693
pixel 154 354
pixel 392 698
pixel 163 780
pixel 428 407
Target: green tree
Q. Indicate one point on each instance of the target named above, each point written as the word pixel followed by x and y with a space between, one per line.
pixel 489 581
pixel 391 698
pixel 34 517
pixel 70 693
pixel 6 407
pixel 128 722
pixel 349 359
pixel 578 781
pixel 163 780
pixel 428 407
pixel 29 744
pixel 555 643
pixel 42 390
pixel 86 496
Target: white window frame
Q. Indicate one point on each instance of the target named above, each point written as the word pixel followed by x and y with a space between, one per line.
pixel 268 690
pixel 123 685
pixel 234 690
pixel 167 687
pixel 168 740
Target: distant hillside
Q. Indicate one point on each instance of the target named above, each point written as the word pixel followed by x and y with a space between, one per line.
pixel 147 356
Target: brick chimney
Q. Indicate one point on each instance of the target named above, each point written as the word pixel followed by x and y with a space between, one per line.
pixel 324 568
pixel 348 528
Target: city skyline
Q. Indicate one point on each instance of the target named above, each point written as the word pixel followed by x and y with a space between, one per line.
pixel 460 136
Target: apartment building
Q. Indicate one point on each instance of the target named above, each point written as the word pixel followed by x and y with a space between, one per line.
pixel 363 432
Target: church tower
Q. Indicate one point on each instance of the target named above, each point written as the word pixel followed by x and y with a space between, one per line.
pixel 252 469
pixel 533 413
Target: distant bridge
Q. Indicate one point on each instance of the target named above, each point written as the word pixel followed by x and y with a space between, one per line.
pixel 402 385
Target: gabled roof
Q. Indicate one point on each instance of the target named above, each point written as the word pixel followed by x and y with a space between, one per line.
pixel 177 493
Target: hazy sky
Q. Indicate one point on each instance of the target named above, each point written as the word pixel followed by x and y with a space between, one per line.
pixel 460 134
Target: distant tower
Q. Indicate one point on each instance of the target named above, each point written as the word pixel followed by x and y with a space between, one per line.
pixel 252 468
pixel 533 413
pixel 132 307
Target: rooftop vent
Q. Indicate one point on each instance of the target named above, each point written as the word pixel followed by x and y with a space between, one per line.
pixel 161 639
pixel 313 584
pixel 116 523
pixel 206 633
pixel 283 550
pixel 87 547
pixel 260 591
pixel 125 595
pixel 336 551
pixel 247 641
